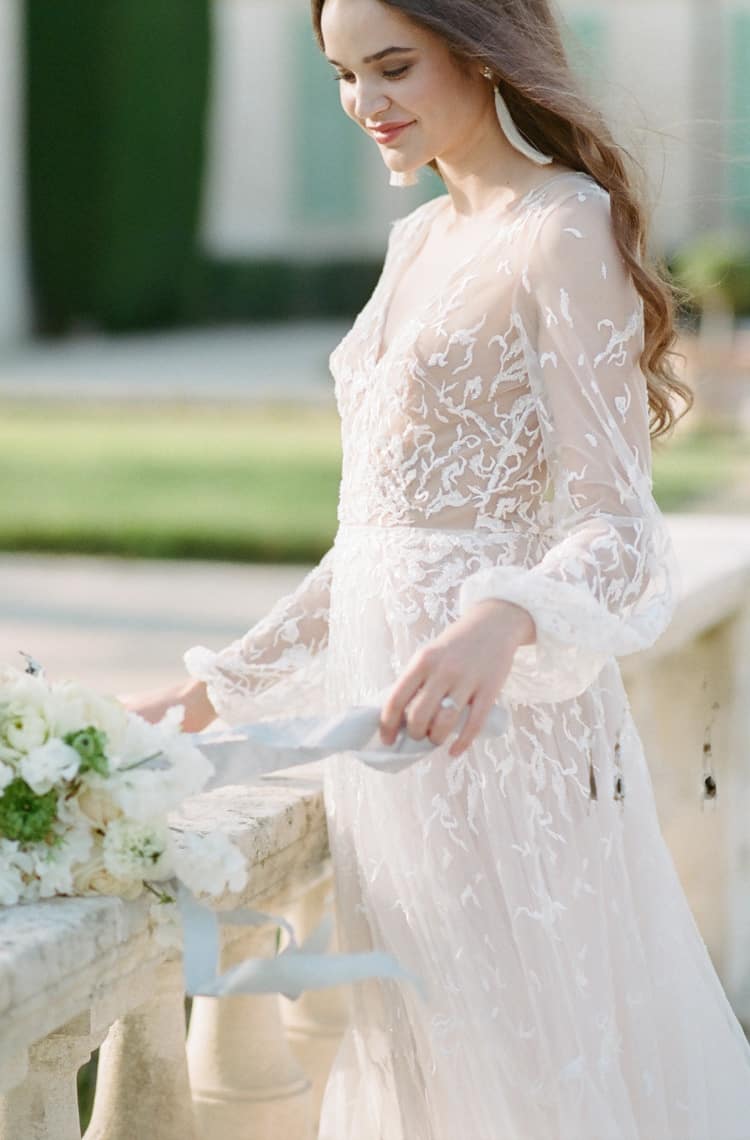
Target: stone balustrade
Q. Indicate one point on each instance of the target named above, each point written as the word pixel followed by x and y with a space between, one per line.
pixel 79 973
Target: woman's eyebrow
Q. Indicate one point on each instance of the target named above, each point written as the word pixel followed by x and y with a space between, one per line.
pixel 377 56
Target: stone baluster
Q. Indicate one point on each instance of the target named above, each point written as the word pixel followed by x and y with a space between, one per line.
pixel 737 794
pixel 245 1079
pixel 316 1021
pixel 143 1088
pixel 44 1105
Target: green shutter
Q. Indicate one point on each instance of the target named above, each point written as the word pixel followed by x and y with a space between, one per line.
pixel 738 56
pixel 327 147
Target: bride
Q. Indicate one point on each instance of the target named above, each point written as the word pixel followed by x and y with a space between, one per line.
pixel 497 536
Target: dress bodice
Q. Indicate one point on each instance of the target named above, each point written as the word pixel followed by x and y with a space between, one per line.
pixel 498 447
pixel 443 427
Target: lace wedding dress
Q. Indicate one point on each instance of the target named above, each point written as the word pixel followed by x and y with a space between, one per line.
pixel 499 447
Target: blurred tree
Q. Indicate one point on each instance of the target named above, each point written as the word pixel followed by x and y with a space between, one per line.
pixel 116 102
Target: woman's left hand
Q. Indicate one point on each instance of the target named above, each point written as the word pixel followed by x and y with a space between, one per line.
pixel 469 662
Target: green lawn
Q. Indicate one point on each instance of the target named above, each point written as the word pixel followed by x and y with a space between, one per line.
pixel 204 483
pixel 254 484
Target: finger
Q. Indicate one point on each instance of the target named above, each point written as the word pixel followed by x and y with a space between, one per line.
pixel 445 720
pixel 426 704
pixel 393 710
pixel 478 711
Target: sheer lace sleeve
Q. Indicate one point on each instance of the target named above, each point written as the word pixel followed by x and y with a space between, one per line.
pixel 277 668
pixel 606 582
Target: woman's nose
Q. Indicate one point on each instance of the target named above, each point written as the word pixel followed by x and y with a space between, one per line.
pixel 369 103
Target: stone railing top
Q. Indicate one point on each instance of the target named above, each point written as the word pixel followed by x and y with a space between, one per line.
pixel 713 554
pixel 61 957
pixel 67 958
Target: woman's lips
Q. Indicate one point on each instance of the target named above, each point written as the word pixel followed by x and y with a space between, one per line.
pixel 383 135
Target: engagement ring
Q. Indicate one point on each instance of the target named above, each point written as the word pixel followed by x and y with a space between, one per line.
pixel 448 703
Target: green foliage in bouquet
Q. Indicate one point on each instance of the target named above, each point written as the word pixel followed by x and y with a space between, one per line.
pixel 85 793
pixel 25 815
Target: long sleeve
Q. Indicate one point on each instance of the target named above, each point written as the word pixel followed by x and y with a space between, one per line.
pixel 277 667
pixel 605 586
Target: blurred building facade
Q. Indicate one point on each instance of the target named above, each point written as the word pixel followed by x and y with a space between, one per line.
pixel 290 173
pixel 290 176
pixel 13 288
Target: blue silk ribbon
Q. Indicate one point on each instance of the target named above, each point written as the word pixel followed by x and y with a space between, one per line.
pixel 242 756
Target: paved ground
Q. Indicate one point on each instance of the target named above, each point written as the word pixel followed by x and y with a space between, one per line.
pixel 243 363
pixel 122 625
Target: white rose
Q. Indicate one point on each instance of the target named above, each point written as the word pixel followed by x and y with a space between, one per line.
pixel 23 727
pixel 93 878
pixel 48 765
pixel 97 805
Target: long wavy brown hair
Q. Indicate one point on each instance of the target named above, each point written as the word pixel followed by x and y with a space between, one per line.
pixel 521 42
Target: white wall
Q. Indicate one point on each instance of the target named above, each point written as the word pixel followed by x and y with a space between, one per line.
pixel 13 292
pixel 245 203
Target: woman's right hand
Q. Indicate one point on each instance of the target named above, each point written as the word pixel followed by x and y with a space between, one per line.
pixel 192 695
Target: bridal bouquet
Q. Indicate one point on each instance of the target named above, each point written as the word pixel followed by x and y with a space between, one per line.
pixel 85 792
pixel 85 789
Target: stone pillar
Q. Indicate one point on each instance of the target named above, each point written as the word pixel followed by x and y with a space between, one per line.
pixel 142 1075
pixel 316 1021
pixel 738 797
pixel 246 1082
pixel 13 288
pixel 44 1106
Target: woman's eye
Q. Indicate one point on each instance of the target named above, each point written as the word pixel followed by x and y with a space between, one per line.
pixel 346 77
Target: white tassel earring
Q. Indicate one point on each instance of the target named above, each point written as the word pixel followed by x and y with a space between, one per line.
pixel 511 131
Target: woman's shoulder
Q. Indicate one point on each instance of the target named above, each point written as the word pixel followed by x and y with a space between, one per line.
pixel 571 188
pixel 420 214
pixel 571 209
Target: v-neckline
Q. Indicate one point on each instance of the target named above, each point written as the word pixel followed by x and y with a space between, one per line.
pixel 423 230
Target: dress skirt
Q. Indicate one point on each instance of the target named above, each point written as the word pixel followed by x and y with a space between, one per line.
pixel 570 993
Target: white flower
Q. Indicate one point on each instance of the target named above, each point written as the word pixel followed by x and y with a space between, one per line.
pixel 96 804
pixel 54 866
pixel 48 765
pixel 16 866
pixel 135 850
pixel 23 725
pixel 93 878
pixel 172 720
pixel 210 864
pixel 166 925
pixel 145 792
pixel 6 775
pixel 140 740
pixel 71 708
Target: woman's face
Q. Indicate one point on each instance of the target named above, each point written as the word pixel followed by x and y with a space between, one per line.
pixel 420 84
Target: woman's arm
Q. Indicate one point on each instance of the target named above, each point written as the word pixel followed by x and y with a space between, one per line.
pixel 192 695
pixel 606 585
pixel 277 667
pixel 273 669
